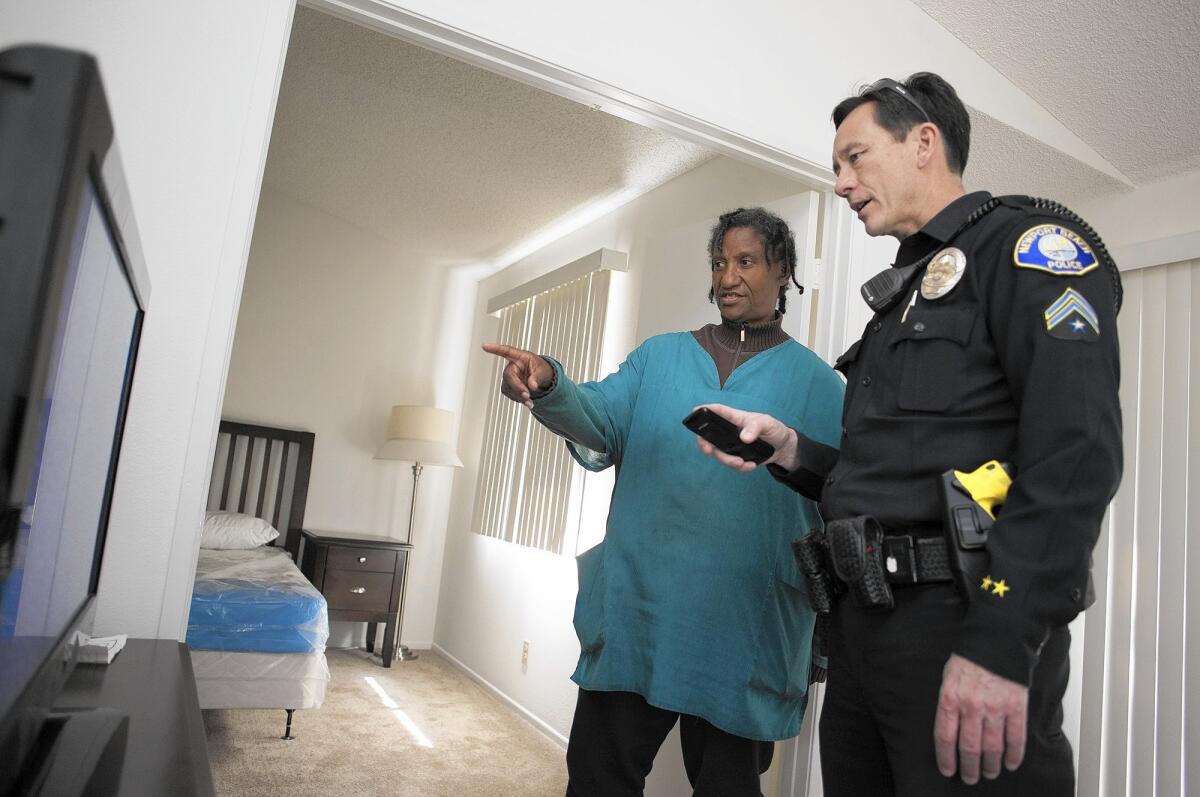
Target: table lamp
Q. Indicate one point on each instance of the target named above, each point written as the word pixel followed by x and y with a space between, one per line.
pixel 422 436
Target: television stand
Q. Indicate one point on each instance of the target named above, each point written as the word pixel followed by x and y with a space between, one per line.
pixel 151 682
pixel 83 753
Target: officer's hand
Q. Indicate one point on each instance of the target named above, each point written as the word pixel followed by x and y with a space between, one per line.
pixel 981 718
pixel 525 372
pixel 754 426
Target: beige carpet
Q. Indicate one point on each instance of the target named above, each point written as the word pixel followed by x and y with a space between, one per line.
pixel 355 745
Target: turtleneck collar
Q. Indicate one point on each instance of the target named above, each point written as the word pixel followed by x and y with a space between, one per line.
pixel 759 337
pixel 724 343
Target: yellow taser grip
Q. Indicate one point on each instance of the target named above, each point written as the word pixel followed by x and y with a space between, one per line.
pixel 987 485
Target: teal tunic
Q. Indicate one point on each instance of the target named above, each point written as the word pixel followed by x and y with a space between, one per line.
pixel 693 600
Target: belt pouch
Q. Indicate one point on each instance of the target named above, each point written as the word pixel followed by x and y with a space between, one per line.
pixel 813 563
pixel 856 551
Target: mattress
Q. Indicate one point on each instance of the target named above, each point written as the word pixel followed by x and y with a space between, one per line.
pixel 255 601
pixel 259 680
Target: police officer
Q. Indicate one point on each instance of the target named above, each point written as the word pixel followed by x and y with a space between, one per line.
pixel 994 338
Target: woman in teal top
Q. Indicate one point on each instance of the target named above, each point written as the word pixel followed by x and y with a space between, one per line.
pixel 693 602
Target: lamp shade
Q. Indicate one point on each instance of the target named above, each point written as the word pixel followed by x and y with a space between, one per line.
pixel 420 434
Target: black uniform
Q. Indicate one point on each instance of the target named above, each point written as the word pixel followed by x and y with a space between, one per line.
pixel 1018 362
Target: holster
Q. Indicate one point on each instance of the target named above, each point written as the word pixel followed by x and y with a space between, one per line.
pixel 966 526
pixel 856 553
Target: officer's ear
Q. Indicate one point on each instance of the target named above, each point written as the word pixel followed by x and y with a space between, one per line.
pixel 929 144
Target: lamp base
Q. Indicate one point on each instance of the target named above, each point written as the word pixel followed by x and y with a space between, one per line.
pixel 403 653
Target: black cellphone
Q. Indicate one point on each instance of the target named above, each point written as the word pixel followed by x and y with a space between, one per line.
pixel 725 436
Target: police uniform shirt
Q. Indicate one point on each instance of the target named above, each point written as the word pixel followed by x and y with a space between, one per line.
pixel 1016 362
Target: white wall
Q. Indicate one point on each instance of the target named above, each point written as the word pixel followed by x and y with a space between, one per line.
pixel 494 594
pixel 192 92
pixel 337 325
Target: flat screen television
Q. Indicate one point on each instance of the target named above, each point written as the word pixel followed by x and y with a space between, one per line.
pixel 73 294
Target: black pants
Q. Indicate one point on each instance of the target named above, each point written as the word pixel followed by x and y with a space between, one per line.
pixel 616 735
pixel 885 672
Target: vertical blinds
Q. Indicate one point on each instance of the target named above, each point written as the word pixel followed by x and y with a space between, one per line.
pixel 1140 729
pixel 529 487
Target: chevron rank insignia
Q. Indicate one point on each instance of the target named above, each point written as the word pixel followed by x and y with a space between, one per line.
pixel 1071 317
pixel 1055 250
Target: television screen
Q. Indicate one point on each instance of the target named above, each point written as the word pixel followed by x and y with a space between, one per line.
pixel 56 551
pixel 72 294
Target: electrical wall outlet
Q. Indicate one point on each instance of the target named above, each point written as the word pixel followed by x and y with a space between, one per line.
pixel 525 656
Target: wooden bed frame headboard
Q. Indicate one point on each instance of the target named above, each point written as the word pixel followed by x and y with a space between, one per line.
pixel 263 471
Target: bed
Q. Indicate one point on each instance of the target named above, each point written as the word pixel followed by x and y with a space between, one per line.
pixel 257 628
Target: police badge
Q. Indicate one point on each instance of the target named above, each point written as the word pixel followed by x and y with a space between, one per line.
pixel 943 273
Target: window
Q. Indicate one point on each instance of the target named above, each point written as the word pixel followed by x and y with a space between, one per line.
pixel 529 488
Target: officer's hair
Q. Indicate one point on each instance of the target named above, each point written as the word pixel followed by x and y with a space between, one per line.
pixel 775 235
pixel 897 115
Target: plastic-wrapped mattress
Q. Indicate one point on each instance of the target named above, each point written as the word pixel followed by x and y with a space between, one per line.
pixel 255 600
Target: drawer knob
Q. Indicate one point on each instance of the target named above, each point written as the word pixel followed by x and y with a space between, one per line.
pixel 362 560
pixel 359 590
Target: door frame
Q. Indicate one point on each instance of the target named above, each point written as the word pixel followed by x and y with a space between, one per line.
pixel 797 773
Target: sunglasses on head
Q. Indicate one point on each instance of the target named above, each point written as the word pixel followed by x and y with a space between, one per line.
pixel 887 83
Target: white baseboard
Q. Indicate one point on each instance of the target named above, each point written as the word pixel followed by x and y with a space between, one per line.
pixel 529 716
pixel 379 647
pixel 419 645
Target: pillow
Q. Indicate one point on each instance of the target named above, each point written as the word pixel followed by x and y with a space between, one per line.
pixel 233 531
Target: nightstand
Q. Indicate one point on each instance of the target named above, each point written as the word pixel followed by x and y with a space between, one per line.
pixel 361 577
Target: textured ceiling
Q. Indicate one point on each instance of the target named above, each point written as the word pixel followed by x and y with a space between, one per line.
pixel 1124 75
pixel 456 164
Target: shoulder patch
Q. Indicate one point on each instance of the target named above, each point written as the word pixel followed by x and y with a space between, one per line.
pixel 1054 249
pixel 1071 317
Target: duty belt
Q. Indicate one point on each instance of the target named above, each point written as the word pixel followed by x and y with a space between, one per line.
pixel 910 559
pixel 856 555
